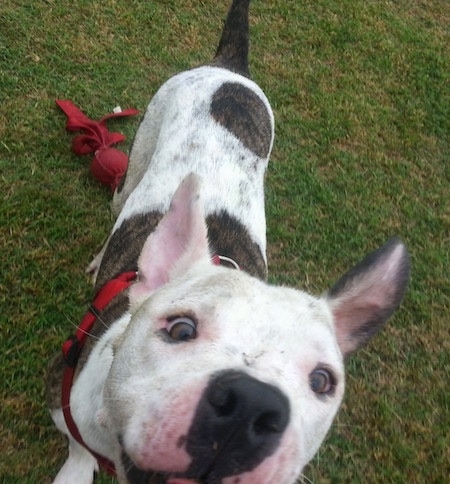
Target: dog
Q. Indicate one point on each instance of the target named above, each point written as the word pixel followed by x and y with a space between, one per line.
pixel 188 366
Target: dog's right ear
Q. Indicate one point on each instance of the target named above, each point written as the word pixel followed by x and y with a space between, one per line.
pixel 179 241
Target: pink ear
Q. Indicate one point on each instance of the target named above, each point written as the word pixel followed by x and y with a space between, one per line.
pixel 366 296
pixel 179 241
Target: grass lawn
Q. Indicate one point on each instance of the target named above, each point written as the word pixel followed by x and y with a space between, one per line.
pixel 361 94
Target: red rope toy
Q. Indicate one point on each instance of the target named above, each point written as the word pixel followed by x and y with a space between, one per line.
pixel 109 164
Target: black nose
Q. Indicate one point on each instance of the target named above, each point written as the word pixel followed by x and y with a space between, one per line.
pixel 238 423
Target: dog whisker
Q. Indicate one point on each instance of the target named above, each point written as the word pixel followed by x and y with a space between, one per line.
pixel 82 330
pixel 94 311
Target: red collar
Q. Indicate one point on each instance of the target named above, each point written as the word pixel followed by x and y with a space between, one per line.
pixel 72 347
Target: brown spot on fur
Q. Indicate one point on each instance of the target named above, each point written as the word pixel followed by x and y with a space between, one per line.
pixel 125 245
pixel 239 110
pixel 230 238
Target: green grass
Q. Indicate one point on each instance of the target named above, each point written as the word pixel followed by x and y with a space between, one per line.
pixel 361 94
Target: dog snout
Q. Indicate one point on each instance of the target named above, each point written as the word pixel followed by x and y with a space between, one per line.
pixel 238 423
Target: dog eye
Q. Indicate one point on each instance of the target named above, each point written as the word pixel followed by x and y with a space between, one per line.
pixel 182 328
pixel 322 381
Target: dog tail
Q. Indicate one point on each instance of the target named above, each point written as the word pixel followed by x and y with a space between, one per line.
pixel 232 53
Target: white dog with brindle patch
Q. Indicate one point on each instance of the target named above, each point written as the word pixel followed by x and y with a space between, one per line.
pixel 197 369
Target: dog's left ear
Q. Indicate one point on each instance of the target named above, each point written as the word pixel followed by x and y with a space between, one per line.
pixel 366 296
pixel 179 241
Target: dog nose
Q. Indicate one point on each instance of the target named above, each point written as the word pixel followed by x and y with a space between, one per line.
pixel 255 410
pixel 239 422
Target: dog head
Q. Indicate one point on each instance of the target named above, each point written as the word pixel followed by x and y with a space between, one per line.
pixel 220 377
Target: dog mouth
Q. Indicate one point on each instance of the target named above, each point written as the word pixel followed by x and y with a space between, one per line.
pixel 158 478
pixel 152 477
pixel 245 421
pixel 177 480
pixel 135 475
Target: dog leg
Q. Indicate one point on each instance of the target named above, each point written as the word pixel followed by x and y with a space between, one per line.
pixel 79 466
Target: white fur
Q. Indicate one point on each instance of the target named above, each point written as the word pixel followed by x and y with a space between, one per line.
pixel 145 389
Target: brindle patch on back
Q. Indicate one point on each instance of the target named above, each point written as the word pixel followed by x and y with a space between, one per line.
pixel 125 246
pixel 238 109
pixel 228 237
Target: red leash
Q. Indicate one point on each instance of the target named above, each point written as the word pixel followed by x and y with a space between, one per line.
pixel 72 348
